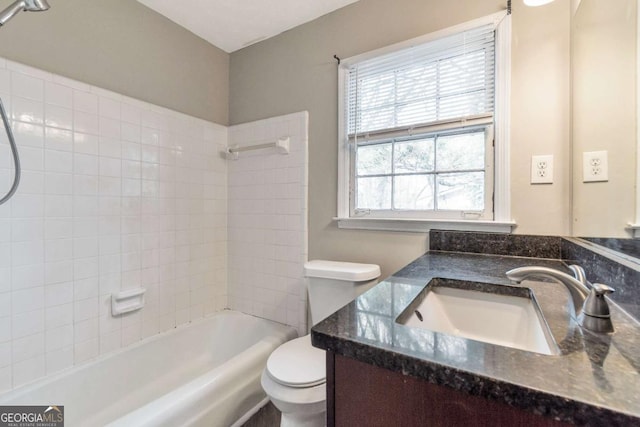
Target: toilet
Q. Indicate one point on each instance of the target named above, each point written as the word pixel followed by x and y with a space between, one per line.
pixel 295 376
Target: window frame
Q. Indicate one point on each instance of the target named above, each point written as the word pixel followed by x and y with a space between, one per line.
pixel 500 220
pixel 487 214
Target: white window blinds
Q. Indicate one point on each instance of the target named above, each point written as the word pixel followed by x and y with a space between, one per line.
pixel 444 80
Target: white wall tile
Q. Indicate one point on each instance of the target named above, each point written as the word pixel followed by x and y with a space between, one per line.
pixel 5 253
pixel 131 113
pixel 26 324
pixel 86 350
pixel 57 206
pixel 58 117
pixel 58 183
pixel 27 206
pixel 28 347
pixel 110 341
pixel 5 354
pixel 27 229
pixel 58 272
pixel 58 360
pixel 31 182
pixel 58 250
pixel 131 150
pixel 86 123
pixel 56 94
pixel 110 147
pixel 25 69
pixel 31 158
pixel 27 87
pixel 267 194
pixel 86 330
pixel 84 143
pixel 130 132
pixel 58 161
pixel 58 294
pixel 96 213
pixel 85 102
pixel 59 338
pixel 109 108
pixel 28 276
pixel 29 135
pixel 27 253
pixel 58 139
pixel 85 206
pixel 5 304
pixel 110 128
pixel 59 315
pixel 86 288
pixel 27 300
pixel 58 228
pixel 85 164
pixel 110 167
pixel 5 230
pixel 27 110
pixel 5 81
pixel 5 329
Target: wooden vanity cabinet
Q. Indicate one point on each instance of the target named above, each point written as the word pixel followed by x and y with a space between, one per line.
pixel 359 394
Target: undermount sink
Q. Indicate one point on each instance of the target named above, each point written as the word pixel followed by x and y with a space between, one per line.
pixel 497 314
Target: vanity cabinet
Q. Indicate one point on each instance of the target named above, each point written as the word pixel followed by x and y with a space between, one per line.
pixel 359 394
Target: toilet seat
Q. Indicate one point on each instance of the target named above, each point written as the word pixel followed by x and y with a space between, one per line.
pixel 297 364
pixel 290 399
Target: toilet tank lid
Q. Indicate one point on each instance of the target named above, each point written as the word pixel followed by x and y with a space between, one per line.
pixel 347 271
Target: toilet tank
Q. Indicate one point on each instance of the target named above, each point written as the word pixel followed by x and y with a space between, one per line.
pixel 333 284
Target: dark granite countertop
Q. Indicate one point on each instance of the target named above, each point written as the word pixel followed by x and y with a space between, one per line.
pixel 594 381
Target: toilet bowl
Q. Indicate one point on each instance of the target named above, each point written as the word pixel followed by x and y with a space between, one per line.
pixel 295 381
pixel 295 375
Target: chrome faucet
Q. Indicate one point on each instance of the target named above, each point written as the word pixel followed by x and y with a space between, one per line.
pixel 591 307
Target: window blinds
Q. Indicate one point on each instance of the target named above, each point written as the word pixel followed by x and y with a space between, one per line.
pixel 445 80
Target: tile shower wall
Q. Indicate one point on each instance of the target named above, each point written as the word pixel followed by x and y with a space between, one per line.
pixel 267 226
pixel 115 194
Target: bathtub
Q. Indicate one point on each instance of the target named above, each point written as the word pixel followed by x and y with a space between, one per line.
pixel 206 373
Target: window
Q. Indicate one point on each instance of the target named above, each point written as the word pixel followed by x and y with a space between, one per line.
pixel 433 172
pixel 417 128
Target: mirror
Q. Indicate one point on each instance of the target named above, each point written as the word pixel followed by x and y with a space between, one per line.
pixel 604 64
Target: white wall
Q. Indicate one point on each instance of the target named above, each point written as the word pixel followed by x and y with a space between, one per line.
pixel 268 221
pixel 115 194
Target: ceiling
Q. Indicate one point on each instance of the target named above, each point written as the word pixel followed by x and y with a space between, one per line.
pixel 234 24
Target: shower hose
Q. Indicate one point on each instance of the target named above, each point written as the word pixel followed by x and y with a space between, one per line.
pixel 14 153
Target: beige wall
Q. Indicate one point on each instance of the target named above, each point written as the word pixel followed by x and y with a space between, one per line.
pixel 125 47
pixel 604 114
pixel 295 71
pixel 541 120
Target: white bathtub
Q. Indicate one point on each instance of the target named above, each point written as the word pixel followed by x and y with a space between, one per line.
pixel 203 374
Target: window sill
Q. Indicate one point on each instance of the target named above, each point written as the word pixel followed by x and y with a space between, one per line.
pixel 423 225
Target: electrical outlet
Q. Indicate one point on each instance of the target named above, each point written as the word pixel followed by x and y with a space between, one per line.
pixel 595 166
pixel 542 169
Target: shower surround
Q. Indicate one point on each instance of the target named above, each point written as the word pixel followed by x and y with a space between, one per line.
pixel 115 194
pixel 268 221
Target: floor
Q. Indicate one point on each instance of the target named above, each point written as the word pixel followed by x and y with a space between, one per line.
pixel 268 416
